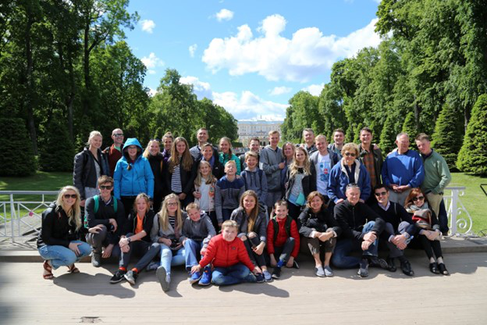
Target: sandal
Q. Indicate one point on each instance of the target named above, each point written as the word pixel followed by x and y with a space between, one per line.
pixel 434 268
pixel 442 269
pixel 47 271
pixel 73 269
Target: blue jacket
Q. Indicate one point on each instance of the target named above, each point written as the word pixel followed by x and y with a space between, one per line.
pixel 339 180
pixel 137 179
pixel 405 169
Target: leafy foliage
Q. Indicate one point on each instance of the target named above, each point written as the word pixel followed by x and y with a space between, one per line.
pixel 17 158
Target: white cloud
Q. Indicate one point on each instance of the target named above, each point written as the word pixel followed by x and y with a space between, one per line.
pixel 200 88
pixel 308 53
pixel 314 90
pixel 147 25
pixel 192 50
pixel 151 62
pixel 224 14
pixel 280 91
pixel 152 92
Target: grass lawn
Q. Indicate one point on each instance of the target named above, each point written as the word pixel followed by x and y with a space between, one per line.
pixel 474 199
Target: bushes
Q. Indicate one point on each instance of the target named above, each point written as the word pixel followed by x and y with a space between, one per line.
pixel 17 157
pixel 448 135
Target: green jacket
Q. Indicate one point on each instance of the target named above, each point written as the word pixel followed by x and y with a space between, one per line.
pixel 436 173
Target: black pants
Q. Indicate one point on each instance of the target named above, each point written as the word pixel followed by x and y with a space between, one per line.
pixel 284 252
pixel 430 247
pixel 128 204
pixel 147 251
pixel 257 259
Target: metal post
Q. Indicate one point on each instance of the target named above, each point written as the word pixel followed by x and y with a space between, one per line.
pixel 454 211
pixel 13 217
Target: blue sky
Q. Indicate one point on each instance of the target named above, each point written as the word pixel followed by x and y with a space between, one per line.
pixel 250 56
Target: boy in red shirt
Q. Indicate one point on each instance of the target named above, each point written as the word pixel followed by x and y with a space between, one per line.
pixel 230 259
pixel 282 239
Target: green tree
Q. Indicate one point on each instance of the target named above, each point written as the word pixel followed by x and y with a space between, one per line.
pixel 56 150
pixel 17 158
pixel 388 135
pixel 410 127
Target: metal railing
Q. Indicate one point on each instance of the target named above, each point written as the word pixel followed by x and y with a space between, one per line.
pixel 460 221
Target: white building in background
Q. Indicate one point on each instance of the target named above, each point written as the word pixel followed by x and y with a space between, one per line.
pixel 257 127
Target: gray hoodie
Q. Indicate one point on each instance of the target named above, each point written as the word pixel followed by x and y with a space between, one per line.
pixel 201 230
pixel 269 163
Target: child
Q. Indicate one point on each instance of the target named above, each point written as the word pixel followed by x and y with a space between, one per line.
pixel 204 191
pixel 226 153
pixel 282 239
pixel 254 178
pixel 197 232
pixel 228 191
pixel 231 262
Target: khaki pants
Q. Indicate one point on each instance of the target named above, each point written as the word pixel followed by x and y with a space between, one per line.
pixel 434 201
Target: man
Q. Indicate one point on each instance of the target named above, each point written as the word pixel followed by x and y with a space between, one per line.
pixel 309 141
pixel 436 177
pixel 104 217
pixel 114 152
pixel 202 136
pixel 402 170
pixel 254 145
pixel 272 162
pixel 371 157
pixel 323 160
pixel 399 228
pixel 338 142
pixel 361 228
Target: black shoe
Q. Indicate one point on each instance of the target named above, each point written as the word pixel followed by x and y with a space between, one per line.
pixel 434 268
pixel 442 269
pixel 379 262
pixel 117 277
pixel 392 264
pixel 406 268
pixel 259 278
pixel 363 271
pixel 276 274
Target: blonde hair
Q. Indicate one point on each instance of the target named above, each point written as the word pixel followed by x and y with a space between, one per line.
pixel 92 135
pixel 227 139
pixel 187 161
pixel 164 215
pixel 199 178
pixel 252 217
pixel 251 154
pixel 293 168
pixel 147 202
pixel 288 144
pixel 230 224
pixel 350 147
pixel 146 153
pixel 74 212
pixel 192 205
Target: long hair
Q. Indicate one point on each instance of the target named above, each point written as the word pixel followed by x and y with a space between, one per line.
pixel 146 153
pixel 92 135
pixel 252 217
pixel 147 202
pixel 199 178
pixel 414 192
pixel 164 214
pixel 187 161
pixel 227 139
pixel 285 145
pixel 74 212
pixel 294 164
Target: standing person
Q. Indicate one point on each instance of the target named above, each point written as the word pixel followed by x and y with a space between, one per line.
pixel 252 230
pixel 136 240
pixel 58 242
pixel 226 153
pixel 299 183
pixel 371 157
pixel 104 218
pixel 229 189
pixel 167 140
pixel 320 231
pixel 254 145
pixel 402 170
pixel 133 175
pixel 156 160
pixel 89 165
pixel 254 178
pixel 114 152
pixel 309 141
pixel 338 141
pixel 271 163
pixel 436 178
pixel 208 154
pixel 204 191
pixel 323 161
pixel 202 136
pixel 181 171
pixel 288 150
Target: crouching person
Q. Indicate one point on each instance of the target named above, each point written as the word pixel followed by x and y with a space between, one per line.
pixel 229 257
pixel 197 232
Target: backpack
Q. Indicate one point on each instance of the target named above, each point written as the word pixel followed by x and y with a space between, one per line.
pixel 289 220
pixel 96 198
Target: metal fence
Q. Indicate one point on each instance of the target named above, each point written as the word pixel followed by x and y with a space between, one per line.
pixel 21 220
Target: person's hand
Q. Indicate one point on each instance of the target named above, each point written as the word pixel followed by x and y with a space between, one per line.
pixel 281 165
pixel 124 241
pixel 273 260
pixel 290 262
pixel 259 249
pixel 113 222
pixel 82 203
pixel 431 235
pixel 197 195
pixel 107 252
pixel 182 196
pixel 95 229
pixel 165 241
pixel 195 268
pixel 370 236
pixel 400 241
pixel 243 238
pixel 325 236
pixel 339 201
pixel 394 187
pixel 74 248
pixel 366 244
pixel 256 270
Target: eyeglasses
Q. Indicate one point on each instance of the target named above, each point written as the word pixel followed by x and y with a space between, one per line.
pixel 72 196
pixel 350 154
pixel 118 135
pixel 380 193
pixel 418 198
pixel 106 187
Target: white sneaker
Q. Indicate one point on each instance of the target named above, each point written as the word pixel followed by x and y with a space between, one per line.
pixel 319 271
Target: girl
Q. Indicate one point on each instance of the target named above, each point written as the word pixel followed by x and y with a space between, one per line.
pixel 58 242
pixel 166 231
pixel 283 239
pixel 182 171
pixel 156 160
pixel 319 230
pixel 204 191
pixel 252 229
pixel 429 235
pixel 228 191
pixel 210 155
pixel 287 155
pixel 89 165
pixel 226 153
pixel 136 240
pixel 299 182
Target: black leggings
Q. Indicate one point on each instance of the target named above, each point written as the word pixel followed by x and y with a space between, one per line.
pixel 431 246
pixel 258 260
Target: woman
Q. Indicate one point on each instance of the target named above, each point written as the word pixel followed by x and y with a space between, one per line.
pixel 167 140
pixel 429 235
pixel 136 240
pixel 133 175
pixel 166 231
pixel 348 170
pixel 319 230
pixel 252 229
pixel 226 153
pixel 287 155
pixel 89 165
pixel 58 242
pixel 208 154
pixel 181 172
pixel 299 183
pixel 156 160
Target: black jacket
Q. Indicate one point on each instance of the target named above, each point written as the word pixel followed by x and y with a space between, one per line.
pixel 56 229
pixel 187 178
pixel 157 165
pixel 84 172
pixel 352 218
pixel 104 213
pixel 131 224
pixel 308 183
pixel 320 221
pixel 394 215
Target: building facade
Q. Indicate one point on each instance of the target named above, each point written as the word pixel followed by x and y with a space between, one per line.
pixel 248 129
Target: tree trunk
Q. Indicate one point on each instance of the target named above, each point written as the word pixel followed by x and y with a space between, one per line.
pixel 30 84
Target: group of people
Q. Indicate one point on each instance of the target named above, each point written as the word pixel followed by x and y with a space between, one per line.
pixel 229 219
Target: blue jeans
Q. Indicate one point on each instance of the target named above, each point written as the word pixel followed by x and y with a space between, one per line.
pixel 63 256
pixel 170 257
pixel 234 274
pixel 344 247
pixel 192 248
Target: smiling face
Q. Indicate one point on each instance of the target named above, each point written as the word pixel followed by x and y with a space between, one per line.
pixel 365 138
pixel 349 157
pixel 300 156
pixel 274 140
pixel 194 214
pixel 180 147
pixel 141 206
pixel 205 169
pixel 418 200
pixel 69 199
pixel 288 151
pixel 254 146
pixel 95 142
pixel 251 162
pixel 308 137
pixel 338 138
pixel 132 151
pixel 353 195
pixel 207 152
pixel 248 203
pixel 281 211
pixel 167 144
pixel 172 206
pixel 117 137
pixel 402 143
pixel 322 145
pixel 316 204
pixel 424 146
pixel 105 190
pixel 202 136
pixel 382 195
pixel 224 146
pixel 154 148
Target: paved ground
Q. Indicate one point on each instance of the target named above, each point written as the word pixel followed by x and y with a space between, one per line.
pixel 299 298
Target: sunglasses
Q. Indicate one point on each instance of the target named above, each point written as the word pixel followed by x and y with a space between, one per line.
pixel 380 193
pixel 106 187
pixel 72 196
pixel 350 154
pixel 418 198
pixel 118 135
